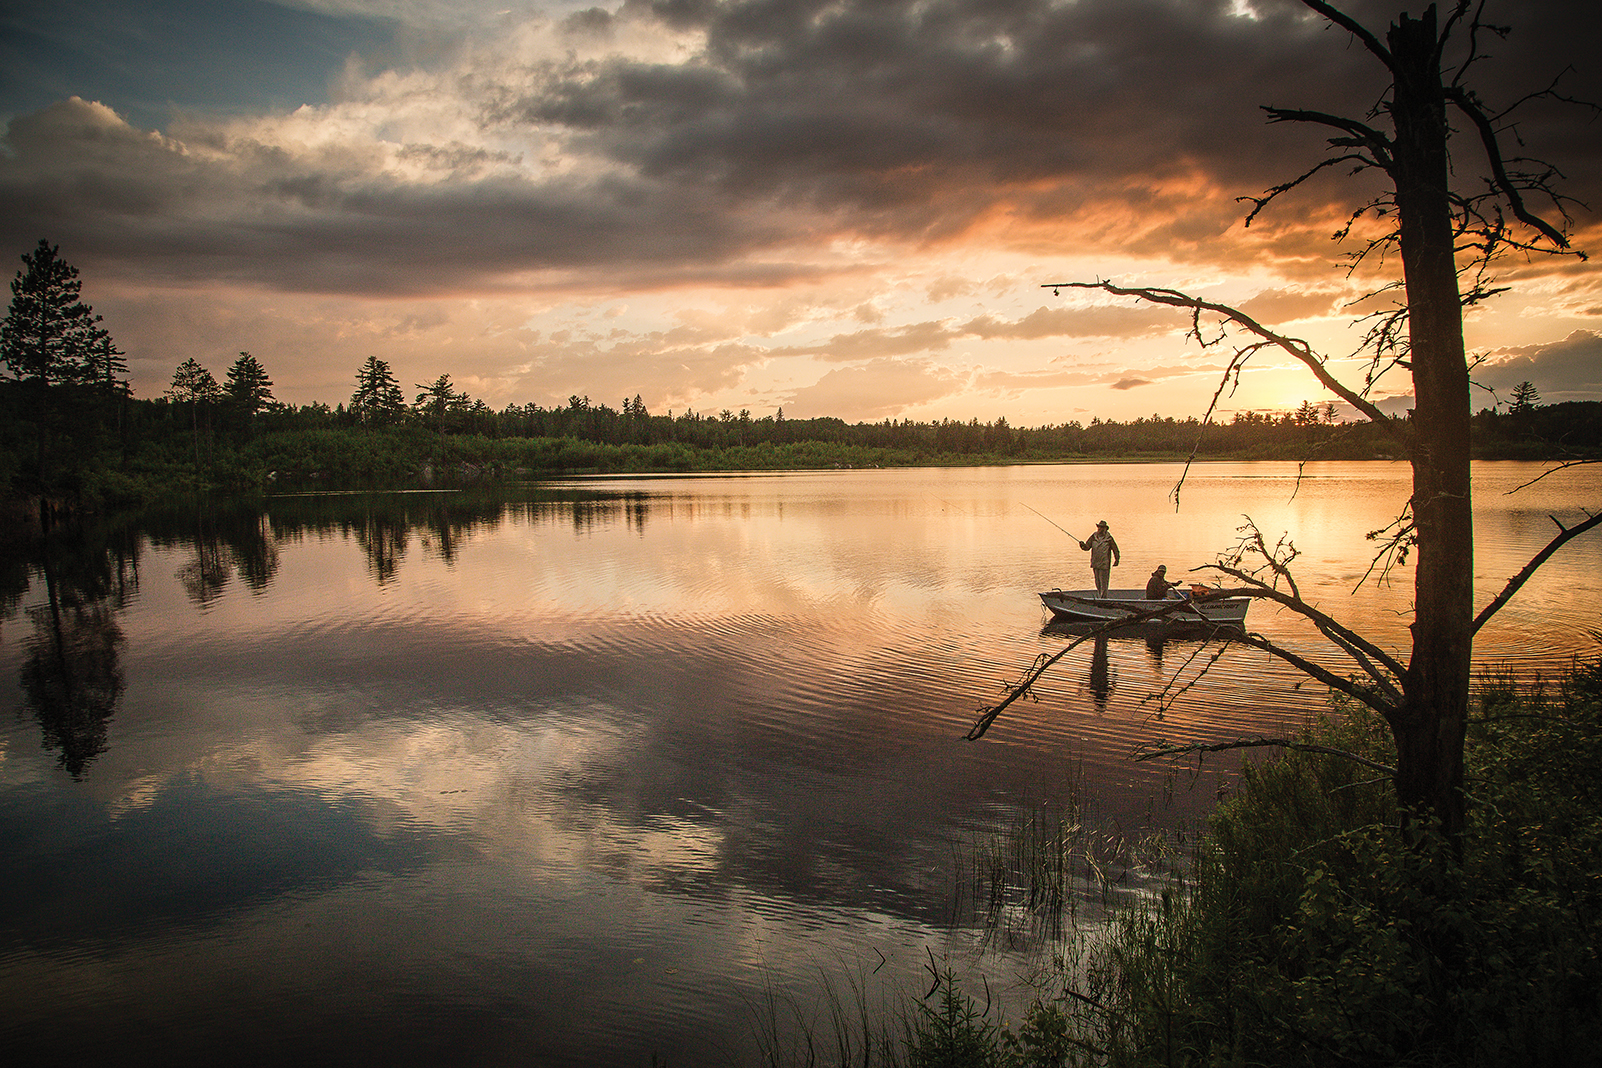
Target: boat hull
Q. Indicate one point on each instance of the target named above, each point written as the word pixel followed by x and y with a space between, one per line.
pixel 1085 606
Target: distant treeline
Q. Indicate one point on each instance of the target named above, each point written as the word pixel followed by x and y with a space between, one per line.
pixel 89 447
pixel 72 434
pixel 1568 430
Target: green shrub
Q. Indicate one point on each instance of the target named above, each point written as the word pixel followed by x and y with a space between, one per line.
pixel 949 1031
pixel 1313 933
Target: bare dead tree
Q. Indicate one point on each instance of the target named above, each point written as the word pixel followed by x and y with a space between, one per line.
pixel 1447 238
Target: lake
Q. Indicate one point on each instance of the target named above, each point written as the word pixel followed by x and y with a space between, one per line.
pixel 592 771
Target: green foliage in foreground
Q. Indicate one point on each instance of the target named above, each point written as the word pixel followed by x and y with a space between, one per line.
pixel 1314 930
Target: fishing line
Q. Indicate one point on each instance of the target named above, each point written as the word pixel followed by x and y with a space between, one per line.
pixel 1048 519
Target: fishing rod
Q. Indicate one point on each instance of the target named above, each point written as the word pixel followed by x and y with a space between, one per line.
pixel 1048 519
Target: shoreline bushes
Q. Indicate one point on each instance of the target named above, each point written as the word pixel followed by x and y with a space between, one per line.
pixel 1316 928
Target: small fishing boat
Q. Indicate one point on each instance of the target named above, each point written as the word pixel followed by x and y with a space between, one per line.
pixel 1087 606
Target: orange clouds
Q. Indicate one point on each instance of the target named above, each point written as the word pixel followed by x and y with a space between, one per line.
pixel 851 202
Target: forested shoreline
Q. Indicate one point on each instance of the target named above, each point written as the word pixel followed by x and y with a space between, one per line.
pixel 80 446
pixel 75 437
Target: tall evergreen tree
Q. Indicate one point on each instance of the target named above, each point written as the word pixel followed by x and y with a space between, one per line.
pixel 247 390
pixel 50 341
pixel 102 364
pixel 193 383
pixel 378 399
pixel 1525 397
pixel 439 399
pixel 49 334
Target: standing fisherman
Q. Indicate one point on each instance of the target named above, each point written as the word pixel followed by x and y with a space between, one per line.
pixel 1103 556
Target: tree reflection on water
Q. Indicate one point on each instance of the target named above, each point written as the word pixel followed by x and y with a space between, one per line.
pixel 72 675
pixel 73 678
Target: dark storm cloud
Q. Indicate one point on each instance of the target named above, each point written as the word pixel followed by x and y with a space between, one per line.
pixel 895 109
pixel 917 117
pixel 796 123
pixel 330 224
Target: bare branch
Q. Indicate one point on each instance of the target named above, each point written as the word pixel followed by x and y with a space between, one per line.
pixel 988 714
pixel 1259 743
pixel 1357 30
pixel 1166 696
pixel 1368 656
pixel 1396 545
pixel 1549 93
pixel 1351 688
pixel 1366 653
pixel 1513 584
pixel 1469 106
pixel 1552 471
pixel 1301 350
pixel 1359 134
pixel 1277 561
pixel 1259 203
pixel 1231 374
pixel 1476 25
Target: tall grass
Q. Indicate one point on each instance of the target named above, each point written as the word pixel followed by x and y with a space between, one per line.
pixel 1039 883
pixel 1036 881
pixel 945 1028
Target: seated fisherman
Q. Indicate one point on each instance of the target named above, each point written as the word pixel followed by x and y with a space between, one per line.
pixel 1157 586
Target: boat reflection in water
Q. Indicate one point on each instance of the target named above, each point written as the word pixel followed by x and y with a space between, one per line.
pixel 1101 676
pixel 1156 634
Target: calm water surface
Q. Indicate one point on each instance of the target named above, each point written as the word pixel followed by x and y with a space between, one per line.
pixel 582 773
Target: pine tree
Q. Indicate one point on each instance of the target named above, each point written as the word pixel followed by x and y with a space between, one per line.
pixel 193 383
pixel 49 335
pixel 1525 397
pixel 66 369
pixel 247 389
pixel 439 399
pixel 378 398
pixel 103 363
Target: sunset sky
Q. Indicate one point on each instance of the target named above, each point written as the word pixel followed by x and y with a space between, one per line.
pixel 838 208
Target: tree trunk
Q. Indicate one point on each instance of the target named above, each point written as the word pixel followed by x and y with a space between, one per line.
pixel 194 427
pixel 1429 729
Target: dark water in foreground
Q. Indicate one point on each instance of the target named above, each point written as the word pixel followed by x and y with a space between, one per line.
pixel 581 774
